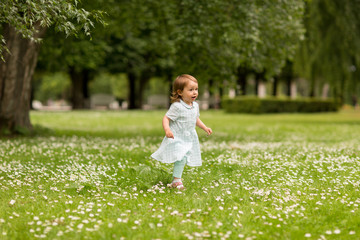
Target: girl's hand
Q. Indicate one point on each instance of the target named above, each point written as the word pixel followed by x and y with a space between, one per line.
pixel 208 131
pixel 169 134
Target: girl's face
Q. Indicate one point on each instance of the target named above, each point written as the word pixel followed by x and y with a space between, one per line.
pixel 190 92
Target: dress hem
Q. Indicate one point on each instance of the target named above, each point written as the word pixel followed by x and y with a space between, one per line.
pixel 191 165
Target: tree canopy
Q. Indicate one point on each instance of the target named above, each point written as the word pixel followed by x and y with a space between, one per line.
pixel 209 39
pixel 23 24
pixel 27 16
pixel 331 50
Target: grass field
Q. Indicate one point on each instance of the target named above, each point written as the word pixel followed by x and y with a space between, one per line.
pixel 88 175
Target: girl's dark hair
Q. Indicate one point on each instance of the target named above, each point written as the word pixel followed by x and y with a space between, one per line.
pixel 179 84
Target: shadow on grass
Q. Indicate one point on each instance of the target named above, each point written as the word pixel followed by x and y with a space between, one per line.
pixel 147 176
pixel 25 132
pixel 46 132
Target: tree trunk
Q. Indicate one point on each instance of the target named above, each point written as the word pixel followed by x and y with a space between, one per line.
pixel 80 93
pixel 86 80
pixel 312 85
pixel 144 79
pixel 258 77
pixel 312 91
pixel 342 92
pixel 242 81
pixel 288 86
pixel 132 91
pixel 275 86
pixel 15 79
pixel 221 94
pixel 211 94
pixel 136 90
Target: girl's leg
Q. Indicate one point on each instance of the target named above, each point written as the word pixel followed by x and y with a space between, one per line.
pixel 179 168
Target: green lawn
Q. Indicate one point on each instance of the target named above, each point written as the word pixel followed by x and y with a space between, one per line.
pixel 88 175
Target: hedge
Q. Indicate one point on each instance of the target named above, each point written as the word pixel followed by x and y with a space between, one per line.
pixel 278 105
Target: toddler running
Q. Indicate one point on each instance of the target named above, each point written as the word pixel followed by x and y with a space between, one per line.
pixel 181 143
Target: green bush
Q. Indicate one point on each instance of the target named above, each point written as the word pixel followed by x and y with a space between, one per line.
pixel 277 105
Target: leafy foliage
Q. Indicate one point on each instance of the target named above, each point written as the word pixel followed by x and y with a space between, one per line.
pixel 52 86
pixel 111 84
pixel 279 31
pixel 27 16
pixel 209 39
pixel 139 36
pixel 331 50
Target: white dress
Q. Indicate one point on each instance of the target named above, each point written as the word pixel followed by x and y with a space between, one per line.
pixel 186 142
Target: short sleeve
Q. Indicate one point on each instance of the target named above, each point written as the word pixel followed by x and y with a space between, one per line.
pixel 173 112
pixel 197 110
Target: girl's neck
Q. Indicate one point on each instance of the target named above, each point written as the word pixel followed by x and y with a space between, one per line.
pixel 190 104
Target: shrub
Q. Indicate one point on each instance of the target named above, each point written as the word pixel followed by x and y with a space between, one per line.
pixel 278 105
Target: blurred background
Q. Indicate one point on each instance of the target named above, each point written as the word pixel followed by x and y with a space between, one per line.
pixel 285 49
pixel 289 48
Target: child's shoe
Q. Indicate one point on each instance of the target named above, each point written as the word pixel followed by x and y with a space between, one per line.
pixel 177 185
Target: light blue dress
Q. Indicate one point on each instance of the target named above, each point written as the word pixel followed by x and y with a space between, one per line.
pixel 186 142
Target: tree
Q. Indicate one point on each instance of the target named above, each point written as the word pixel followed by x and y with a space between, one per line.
pixel 24 23
pixel 166 38
pixel 273 33
pixel 77 56
pixel 206 38
pixel 331 50
pixel 140 42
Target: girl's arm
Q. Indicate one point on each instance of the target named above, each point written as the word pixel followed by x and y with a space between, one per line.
pixel 201 125
pixel 165 123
